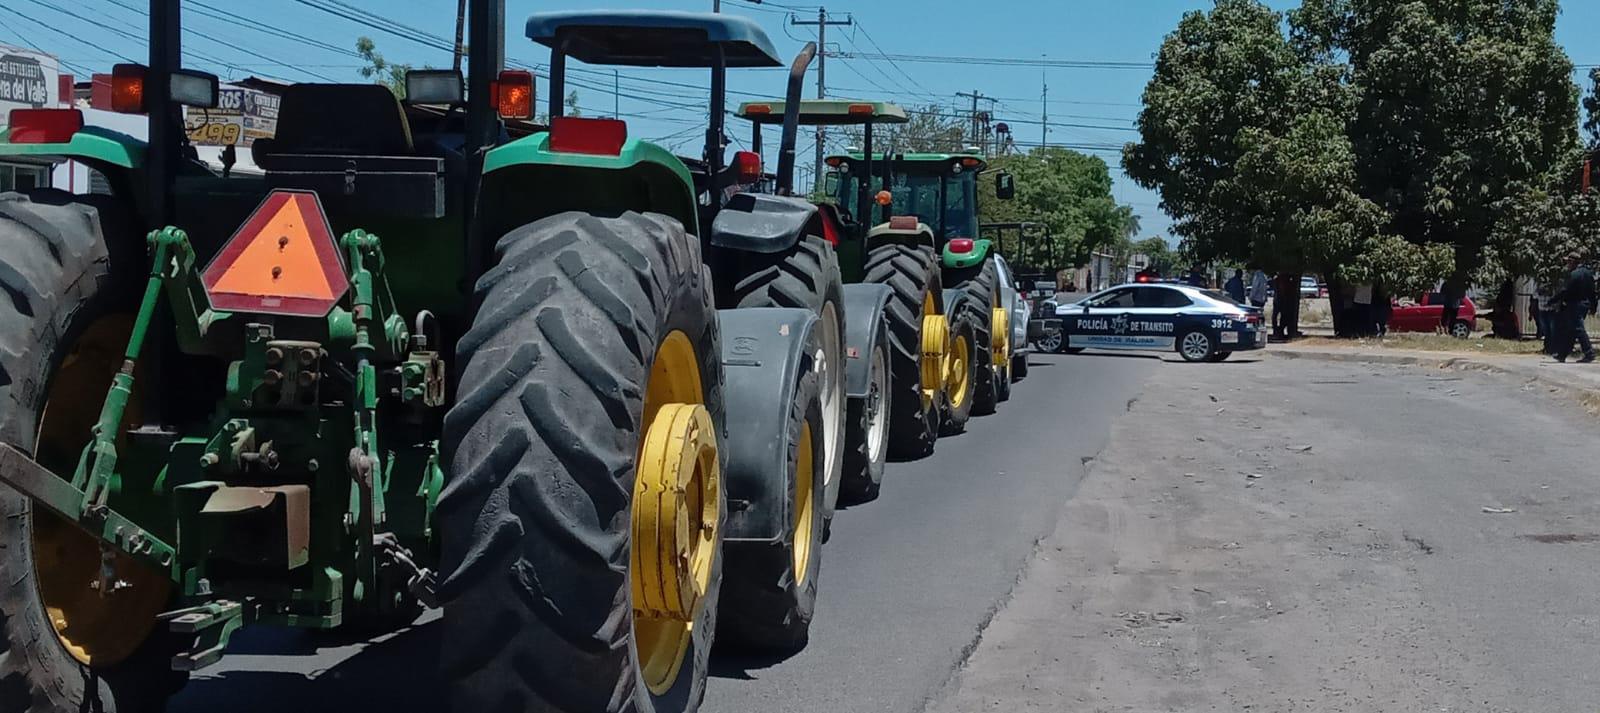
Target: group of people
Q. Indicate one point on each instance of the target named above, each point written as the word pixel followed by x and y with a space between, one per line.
pixel 1562 312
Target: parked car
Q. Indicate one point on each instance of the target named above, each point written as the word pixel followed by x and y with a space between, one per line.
pixel 1199 324
pixel 1424 314
pixel 1016 302
pixel 1309 287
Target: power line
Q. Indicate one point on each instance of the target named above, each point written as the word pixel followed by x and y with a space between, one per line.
pixel 210 38
pixel 1005 61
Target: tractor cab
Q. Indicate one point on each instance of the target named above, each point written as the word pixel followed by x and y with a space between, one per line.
pixel 650 39
pixel 936 191
pixel 845 228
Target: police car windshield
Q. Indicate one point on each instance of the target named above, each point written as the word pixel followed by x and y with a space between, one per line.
pixel 1220 296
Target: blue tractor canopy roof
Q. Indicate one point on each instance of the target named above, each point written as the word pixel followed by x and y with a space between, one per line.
pixel 643 38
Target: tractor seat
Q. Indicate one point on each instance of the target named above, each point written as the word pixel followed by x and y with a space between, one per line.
pixel 351 143
pixel 336 120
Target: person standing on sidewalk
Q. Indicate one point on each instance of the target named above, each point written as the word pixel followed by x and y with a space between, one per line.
pixel 1235 286
pixel 1258 288
pixel 1546 318
pixel 1577 302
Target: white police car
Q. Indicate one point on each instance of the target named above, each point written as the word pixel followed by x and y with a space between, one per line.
pixel 1201 325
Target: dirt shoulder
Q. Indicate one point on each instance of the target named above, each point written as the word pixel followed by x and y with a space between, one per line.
pixel 1299 535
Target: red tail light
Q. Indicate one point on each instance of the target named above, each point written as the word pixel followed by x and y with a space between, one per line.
pixel 596 137
pixel 127 88
pixel 748 163
pixel 830 228
pixel 44 126
pixel 513 94
pixel 961 245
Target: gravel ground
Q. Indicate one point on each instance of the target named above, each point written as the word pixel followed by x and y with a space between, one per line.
pixel 1304 536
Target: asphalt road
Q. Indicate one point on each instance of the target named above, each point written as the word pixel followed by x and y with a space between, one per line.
pixel 908 581
pixel 1303 536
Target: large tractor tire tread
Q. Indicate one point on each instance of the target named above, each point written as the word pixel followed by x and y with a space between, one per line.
pixel 911 274
pixel 805 277
pixel 764 606
pixel 541 444
pixel 56 271
pixel 979 284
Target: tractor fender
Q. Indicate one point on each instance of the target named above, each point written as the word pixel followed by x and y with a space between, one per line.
pixel 864 324
pixel 761 223
pixel 919 237
pixel 952 302
pixel 764 350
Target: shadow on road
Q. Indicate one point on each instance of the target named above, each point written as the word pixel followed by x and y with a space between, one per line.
pixel 737 665
pixel 400 672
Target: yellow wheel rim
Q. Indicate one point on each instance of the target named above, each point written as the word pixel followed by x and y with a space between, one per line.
pixel 1000 337
pixel 94 629
pixel 677 510
pixel 935 350
pixel 804 506
pixel 960 363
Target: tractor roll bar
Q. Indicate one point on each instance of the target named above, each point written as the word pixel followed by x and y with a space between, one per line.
pixel 791 118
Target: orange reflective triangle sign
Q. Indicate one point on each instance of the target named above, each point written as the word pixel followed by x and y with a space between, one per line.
pixel 282 261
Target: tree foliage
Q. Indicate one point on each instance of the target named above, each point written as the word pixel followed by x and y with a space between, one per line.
pixel 929 129
pixel 1369 140
pixel 380 70
pixel 1069 193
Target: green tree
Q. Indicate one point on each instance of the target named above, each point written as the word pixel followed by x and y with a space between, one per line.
pixel 1459 106
pixel 1216 125
pixel 1066 191
pixel 381 70
pixel 571 102
pixel 929 129
pixel 1163 258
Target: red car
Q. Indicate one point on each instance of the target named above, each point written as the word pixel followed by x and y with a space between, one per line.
pixel 1423 315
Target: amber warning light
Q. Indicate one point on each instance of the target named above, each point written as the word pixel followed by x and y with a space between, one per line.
pixel 282 261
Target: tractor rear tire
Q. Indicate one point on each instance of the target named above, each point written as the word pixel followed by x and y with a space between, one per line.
pixel 578 320
pixel 912 275
pixel 807 277
pixel 770 589
pixel 964 325
pixel 980 283
pixel 56 266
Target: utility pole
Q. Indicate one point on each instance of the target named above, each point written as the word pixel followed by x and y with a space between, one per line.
pixel 1044 109
pixel 461 26
pixel 822 22
pixel 977 131
pixel 616 95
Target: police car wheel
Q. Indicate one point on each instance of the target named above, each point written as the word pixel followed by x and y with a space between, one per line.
pixel 1196 346
pixel 1052 342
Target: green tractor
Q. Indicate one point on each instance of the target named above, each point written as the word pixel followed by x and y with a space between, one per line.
pixel 415 362
pixel 942 361
pixel 931 202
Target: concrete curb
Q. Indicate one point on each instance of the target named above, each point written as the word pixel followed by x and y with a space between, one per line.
pixel 1586 394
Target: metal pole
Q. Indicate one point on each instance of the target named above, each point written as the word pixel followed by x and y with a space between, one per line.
pixel 616 94
pixel 461 26
pixel 822 22
pixel 165 118
pixel 485 58
pixel 1044 110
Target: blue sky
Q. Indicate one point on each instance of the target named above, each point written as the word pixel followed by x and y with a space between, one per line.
pixel 292 40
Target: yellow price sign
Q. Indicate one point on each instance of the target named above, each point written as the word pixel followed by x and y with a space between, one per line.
pixel 215 134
